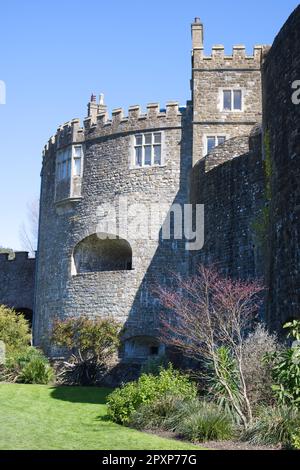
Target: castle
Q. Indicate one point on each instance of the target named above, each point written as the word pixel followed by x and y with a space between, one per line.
pixel 212 152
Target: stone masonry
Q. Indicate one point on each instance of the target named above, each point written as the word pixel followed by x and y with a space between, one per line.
pixel 81 270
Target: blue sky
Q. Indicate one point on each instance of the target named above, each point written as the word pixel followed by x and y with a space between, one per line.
pixel 55 53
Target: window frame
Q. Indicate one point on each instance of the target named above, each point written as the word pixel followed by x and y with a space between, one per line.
pixel 145 143
pixel 65 167
pixel 215 136
pixel 232 92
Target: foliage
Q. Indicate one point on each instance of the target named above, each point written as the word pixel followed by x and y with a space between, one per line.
pixel 262 223
pixel 153 365
pixel 208 423
pixel 29 366
pixel 92 344
pixel 275 425
pixel 213 311
pixel 191 418
pixel 285 369
pixel 148 388
pixel 228 378
pixel 14 330
pixel 258 374
pixel 157 414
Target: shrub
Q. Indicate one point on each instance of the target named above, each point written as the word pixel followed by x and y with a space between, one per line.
pixel 275 426
pixel 92 345
pixel 225 387
pixel 29 366
pixel 285 369
pixel 257 373
pixel 148 388
pixel 207 423
pixel 156 414
pixel 14 330
pixel 153 365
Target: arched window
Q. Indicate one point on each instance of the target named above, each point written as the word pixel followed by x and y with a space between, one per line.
pixel 93 254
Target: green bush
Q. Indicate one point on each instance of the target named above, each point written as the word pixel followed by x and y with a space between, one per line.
pixel 124 401
pixel 92 346
pixel 285 369
pixel 202 421
pixel 275 426
pixel 14 330
pixel 156 414
pixel 29 366
pixel 154 364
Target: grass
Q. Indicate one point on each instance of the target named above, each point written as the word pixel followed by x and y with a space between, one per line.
pixel 38 417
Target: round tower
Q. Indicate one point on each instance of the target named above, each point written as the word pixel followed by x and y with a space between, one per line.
pixel 106 191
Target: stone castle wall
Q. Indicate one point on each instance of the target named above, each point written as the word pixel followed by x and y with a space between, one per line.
pixel 213 74
pixel 230 183
pixel 17 281
pixel 107 175
pixel 282 127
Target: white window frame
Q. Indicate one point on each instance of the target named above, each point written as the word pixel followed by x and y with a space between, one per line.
pixel 69 162
pixel 231 90
pixel 207 136
pixel 143 145
pixel 74 157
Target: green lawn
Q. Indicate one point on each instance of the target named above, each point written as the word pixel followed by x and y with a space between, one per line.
pixel 40 417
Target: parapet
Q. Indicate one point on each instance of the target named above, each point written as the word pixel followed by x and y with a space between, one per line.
pixel 219 60
pixel 135 120
pixel 68 133
pixel 19 257
pixel 98 123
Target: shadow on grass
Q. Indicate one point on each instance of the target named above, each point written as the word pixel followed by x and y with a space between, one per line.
pixel 93 395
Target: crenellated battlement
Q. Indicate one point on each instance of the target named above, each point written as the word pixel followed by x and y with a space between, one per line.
pixel 19 257
pixel 135 113
pixel 136 119
pixel 98 122
pixel 66 134
pixel 218 59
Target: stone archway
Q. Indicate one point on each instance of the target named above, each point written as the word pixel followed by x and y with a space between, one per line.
pixel 93 254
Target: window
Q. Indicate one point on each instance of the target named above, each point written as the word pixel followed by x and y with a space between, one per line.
pixel 77 160
pixel 64 164
pixel 69 162
pixel 147 149
pixel 232 100
pixel 214 141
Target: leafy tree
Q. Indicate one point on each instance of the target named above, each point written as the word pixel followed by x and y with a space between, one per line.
pixel 14 330
pixel 285 366
pixel 207 312
pixel 92 345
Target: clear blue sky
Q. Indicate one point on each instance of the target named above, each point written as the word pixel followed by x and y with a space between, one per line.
pixel 54 53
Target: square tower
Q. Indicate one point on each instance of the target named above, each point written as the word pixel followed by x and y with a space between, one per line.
pixel 226 93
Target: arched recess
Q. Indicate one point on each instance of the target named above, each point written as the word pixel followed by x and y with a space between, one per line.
pixel 143 347
pixel 94 254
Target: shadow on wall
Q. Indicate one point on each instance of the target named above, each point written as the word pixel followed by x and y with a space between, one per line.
pixel 233 195
pixel 141 332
